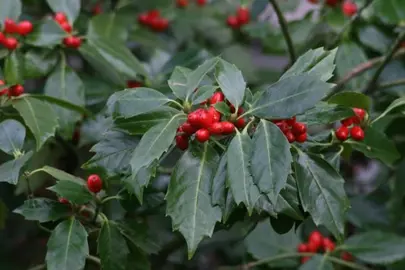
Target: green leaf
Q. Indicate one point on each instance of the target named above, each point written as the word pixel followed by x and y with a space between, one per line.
pixel 288 202
pixel 376 145
pixel 113 153
pixel 374 38
pixel 137 259
pixel 399 102
pixel 10 9
pixel 317 262
pixel 70 7
pixel 62 103
pixel 178 81
pixel 73 191
pixel 38 63
pixel 137 183
pixel 14 68
pixel 47 34
pixel 223 108
pixel 65 84
pixel 231 82
pixel 12 136
pixel 43 210
pixel 318 62
pixel 218 187
pixel 196 76
pixel 271 159
pixel 324 113
pixel 10 170
pixel 38 116
pixel 133 102
pixel 322 193
pixel 351 100
pixel 290 96
pixel 203 93
pixel 109 26
pixel 67 246
pixel 188 196
pixel 112 247
pixel 61 175
pixel 376 247
pixel 239 177
pixel 155 142
pixel 390 11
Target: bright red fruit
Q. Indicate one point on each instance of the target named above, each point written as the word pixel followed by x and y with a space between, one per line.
pixel 283 126
pixel 357 133
pixel 10 26
pixel 3 91
pixel 291 121
pixel 60 17
pixel 332 3
pixel 182 3
pixel 216 129
pixel 342 133
pixel 312 247
pixel 214 114
pixel 202 135
pixel 305 259
pixel 97 9
pixel 72 42
pixel 63 200
pixel 159 24
pixel 302 248
pixel 228 127
pixel 301 138
pixel 243 15
pixel 205 119
pixel 154 13
pixel 133 84
pixel 182 142
pixel 316 238
pixel 24 28
pixel 346 256
pixel 347 122
pixel 193 119
pixel 143 18
pixel 16 90
pixel 66 27
pixel 201 2
pixel 233 22
pixel 299 128
pixel 360 113
pixel 2 38
pixel 94 183
pixel 349 8
pixel 290 136
pixel 188 128
pixel 217 97
pixel 10 43
pixel 328 245
pixel 240 123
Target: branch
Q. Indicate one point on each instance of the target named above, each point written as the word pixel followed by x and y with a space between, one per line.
pixel 94 259
pixel 284 29
pixel 391 84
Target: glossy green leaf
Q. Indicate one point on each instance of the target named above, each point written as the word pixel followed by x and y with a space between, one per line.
pixel 317 262
pixel 322 193
pixel 14 68
pixel 178 81
pixel 374 38
pixel 137 259
pixel 196 76
pixel 10 9
pixel 290 96
pixel 70 7
pixel 38 63
pixel 155 142
pixel 288 202
pixel 231 82
pixel 133 102
pixel 229 207
pixel 376 247
pixel 61 175
pixel 351 100
pixel 12 136
pixel 264 204
pixel 318 62
pixel 47 34
pixel 67 246
pixel 376 145
pixel 10 170
pixel 223 108
pixel 271 159
pixel 136 184
pixel 73 191
pixel 325 113
pixel 62 103
pixel 188 196
pixel 112 247
pixel 218 187
pixel 390 11
pixel 203 93
pixel 43 210
pixel 38 116
pixel 240 179
pixel 394 105
pixel 108 25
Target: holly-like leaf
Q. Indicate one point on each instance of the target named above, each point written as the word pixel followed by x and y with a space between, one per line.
pixel 239 175
pixel 325 113
pixel 14 68
pixel 10 9
pixel 178 81
pixel 61 175
pixel 203 93
pixel 12 136
pixel 62 103
pixel 288 202
pixel 133 102
pixel 317 262
pixel 351 100
pixel 39 63
pixel 155 142
pixel 196 76
pixel 376 145
pixel 223 108
pixel 38 116
pixel 318 62
pixel 390 11
pixel 137 259
pixel 43 210
pixel 108 26
pixel 374 38
pixel 376 247
pixel 10 170
pixel 137 183
pixel 47 34
pixel 290 96
pixel 218 188
pixel 271 159
pixel 231 82
pixel 188 196
pixel 112 247
pixel 73 191
pixel 67 246
pixel 322 193
pixel 394 105
pixel 70 7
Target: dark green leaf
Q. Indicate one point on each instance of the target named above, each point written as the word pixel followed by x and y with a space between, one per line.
pixel 317 262
pixel 43 210
pixel 62 103
pixel 112 247
pixel 12 136
pixel 390 11
pixel 196 76
pixel 203 93
pixel 223 108
pixel 394 105
pixel 38 64
pixel 70 7
pixel 230 205
pixel 271 159
pixel 231 82
pixel 73 191
pixel 351 100
pixel 322 193
pixel 10 9
pixel 137 183
pixel 61 175
pixel 67 246
pixel 264 204
pixel 14 68
pixel 375 39
pixel 288 202
pixel 3 214
pixel 188 196
pixel 239 176
pixel 47 34
pixel 110 26
pixel 218 188
pixel 10 170
pixel 178 81
pixel 324 113
pixel 38 116
pixel 137 259
pixel 290 96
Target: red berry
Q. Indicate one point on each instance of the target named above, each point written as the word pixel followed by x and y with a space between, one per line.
pixel 313 1
pixel 4 92
pixel 63 200
pixel 159 24
pixel 97 9
pixel 11 43
pixel 332 3
pixel 305 259
pixel 94 183
pixel 154 13
pixel 2 38
pixel 328 245
pixel 347 122
pixel 143 18
pixel 301 138
pixel 66 27
pixel 243 15
pixel 201 2
pixel 72 42
pixel 342 133
pixel 240 123
pixel 216 116
pixel 182 142
pixel 349 8
pixel 182 3
pixel 60 17
pixel 216 128
pixel 360 114
pixel 133 84
pixel 205 119
pixel 283 126
pixel 217 97
pixel 16 90
pixel 316 238
pixel 233 22
pixel 357 133
pixel 291 121
pixel 24 28
pixel 312 247
pixel 299 128
pixel 10 26
pixel 228 127
pixel 193 119
pixel 290 136
pixel 302 248
pixel 346 256
pixel 188 128
pixel 202 135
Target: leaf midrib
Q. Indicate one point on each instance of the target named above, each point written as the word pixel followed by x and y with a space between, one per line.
pixel 68 242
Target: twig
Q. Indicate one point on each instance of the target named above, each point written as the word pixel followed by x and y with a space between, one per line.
pixel 117 197
pixel 391 84
pixel 284 29
pixel 94 259
pixel 38 267
pixel 386 59
pixel 347 264
pixel 164 170
pixel 43 228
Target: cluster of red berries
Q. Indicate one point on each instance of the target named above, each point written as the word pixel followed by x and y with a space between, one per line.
pixel 70 41
pixel 242 17
pixel 294 131
pixel 318 243
pixel 133 84
pixel 97 9
pixel 184 3
pixel 22 28
pixel 94 184
pixel 153 20
pixel 351 125
pixel 13 91
pixel 205 122
pixel 349 8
